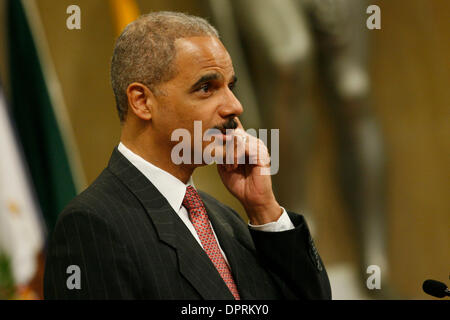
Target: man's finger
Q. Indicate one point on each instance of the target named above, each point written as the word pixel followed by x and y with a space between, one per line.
pixel 240 126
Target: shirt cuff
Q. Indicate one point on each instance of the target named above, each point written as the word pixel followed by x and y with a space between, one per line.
pixel 283 223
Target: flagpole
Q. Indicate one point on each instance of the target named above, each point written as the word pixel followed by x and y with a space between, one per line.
pixel 124 12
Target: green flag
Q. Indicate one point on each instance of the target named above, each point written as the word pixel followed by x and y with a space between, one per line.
pixel 6 278
pixel 39 112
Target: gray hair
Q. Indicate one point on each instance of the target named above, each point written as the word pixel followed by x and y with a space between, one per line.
pixel 145 51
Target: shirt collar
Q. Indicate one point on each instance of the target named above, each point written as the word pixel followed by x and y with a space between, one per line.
pixel 170 187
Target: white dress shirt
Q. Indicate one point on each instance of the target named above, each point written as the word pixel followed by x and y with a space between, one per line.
pixel 174 190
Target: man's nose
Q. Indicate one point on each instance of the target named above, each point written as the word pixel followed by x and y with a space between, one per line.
pixel 231 106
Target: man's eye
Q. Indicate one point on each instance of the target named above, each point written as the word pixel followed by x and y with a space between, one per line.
pixel 205 87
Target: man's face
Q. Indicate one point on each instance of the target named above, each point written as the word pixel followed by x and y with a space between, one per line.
pixel 201 90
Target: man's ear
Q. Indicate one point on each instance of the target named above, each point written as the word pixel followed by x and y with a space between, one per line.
pixel 140 100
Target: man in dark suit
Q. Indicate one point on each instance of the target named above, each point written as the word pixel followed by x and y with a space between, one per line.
pixel 142 230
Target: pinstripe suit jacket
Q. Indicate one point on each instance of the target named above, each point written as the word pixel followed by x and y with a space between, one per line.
pixel 130 244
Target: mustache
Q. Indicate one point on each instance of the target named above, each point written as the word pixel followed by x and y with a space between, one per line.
pixel 230 124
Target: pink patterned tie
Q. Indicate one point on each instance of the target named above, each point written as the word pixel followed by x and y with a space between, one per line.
pixel 199 218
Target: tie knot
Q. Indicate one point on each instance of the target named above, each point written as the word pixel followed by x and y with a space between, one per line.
pixel 192 199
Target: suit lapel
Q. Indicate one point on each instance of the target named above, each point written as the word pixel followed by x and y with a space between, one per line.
pixel 193 263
